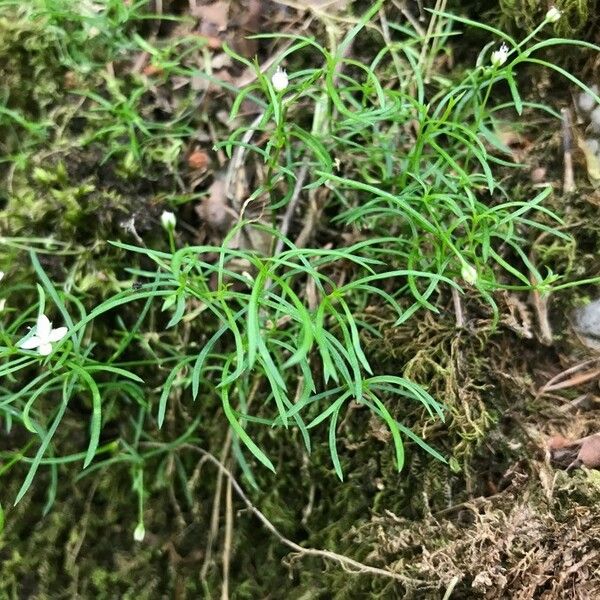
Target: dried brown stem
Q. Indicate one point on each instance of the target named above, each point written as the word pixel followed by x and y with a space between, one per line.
pixel 568 179
pixel 349 564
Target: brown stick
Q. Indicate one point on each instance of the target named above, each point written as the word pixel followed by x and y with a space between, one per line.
pixel 458 311
pixel 227 541
pixel 553 382
pixel 291 207
pixel 568 179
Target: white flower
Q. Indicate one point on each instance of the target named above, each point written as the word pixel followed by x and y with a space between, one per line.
pixel 553 15
pixel 468 273
pixel 1 275
pixel 140 533
pixel 499 56
pixel 44 336
pixel 93 31
pixel 280 80
pixel 168 220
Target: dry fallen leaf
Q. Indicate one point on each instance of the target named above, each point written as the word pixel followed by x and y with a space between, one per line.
pixel 591 160
pixel 249 25
pixel 213 17
pixel 570 454
pixel 589 454
pixel 214 210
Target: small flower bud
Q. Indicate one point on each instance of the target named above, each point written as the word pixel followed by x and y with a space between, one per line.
pixel 140 533
pixel 553 15
pixel 280 80
pixel 168 220
pixel 469 274
pixel 499 56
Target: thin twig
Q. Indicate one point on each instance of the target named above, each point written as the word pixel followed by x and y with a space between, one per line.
pixel 557 382
pixel 458 311
pixel 540 304
pixel 387 38
pixel 401 6
pixel 428 36
pixel 237 160
pixel 310 222
pixel 214 519
pixel 569 179
pixel 227 541
pixel 351 565
pixel 291 207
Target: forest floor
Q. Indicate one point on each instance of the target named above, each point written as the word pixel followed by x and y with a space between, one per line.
pixel 115 112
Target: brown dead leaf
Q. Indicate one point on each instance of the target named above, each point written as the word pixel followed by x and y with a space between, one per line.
pixel 519 317
pixel 249 25
pixel 589 454
pixel 518 143
pixel 591 160
pixel 570 454
pixel 214 210
pixel 213 16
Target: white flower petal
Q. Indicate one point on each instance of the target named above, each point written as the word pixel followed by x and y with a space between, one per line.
pixel 280 80
pixel 44 327
pixel 33 342
pixel 553 15
pixel 57 334
pixel 1 275
pixel 469 274
pixel 140 533
pixel 168 220
pixel 45 349
pixel 499 56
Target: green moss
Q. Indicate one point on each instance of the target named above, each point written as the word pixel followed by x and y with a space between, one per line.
pixel 31 68
pixel 527 14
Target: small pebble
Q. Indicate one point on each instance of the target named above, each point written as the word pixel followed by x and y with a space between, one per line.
pixel 587 318
pixel 538 175
pixel 585 101
pixel 595 120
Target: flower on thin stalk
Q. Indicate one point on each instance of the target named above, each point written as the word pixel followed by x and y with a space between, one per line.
pixel 553 15
pixel 44 336
pixel 280 80
pixel 140 533
pixel 499 56
pixel 168 220
pixel 469 274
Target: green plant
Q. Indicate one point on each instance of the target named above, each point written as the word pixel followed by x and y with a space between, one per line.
pixel 407 170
